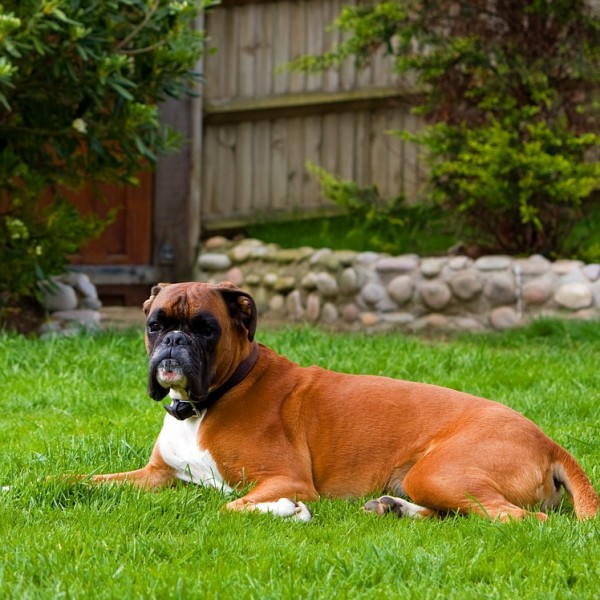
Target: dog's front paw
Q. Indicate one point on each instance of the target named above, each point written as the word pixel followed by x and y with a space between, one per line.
pixel 398 506
pixel 284 508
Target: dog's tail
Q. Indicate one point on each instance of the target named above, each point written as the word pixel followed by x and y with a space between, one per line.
pixel 568 473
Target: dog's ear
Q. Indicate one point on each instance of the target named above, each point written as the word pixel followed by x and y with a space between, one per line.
pixel 153 293
pixel 241 306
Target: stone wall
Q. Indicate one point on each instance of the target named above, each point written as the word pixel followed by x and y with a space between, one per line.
pixel 368 290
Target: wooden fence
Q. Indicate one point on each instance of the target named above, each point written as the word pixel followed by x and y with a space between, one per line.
pixel 261 123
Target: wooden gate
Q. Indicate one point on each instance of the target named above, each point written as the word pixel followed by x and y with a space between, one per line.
pixel 120 260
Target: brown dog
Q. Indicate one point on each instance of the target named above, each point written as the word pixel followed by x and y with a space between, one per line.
pixel 241 413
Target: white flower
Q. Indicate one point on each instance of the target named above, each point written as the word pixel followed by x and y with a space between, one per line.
pixel 79 125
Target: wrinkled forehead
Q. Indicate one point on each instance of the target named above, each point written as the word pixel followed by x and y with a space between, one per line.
pixel 185 300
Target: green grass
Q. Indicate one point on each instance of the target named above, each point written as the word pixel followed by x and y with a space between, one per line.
pixel 78 405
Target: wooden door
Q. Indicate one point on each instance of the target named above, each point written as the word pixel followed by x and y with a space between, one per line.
pixel 120 259
pixel 127 240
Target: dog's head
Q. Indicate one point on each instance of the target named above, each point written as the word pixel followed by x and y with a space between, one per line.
pixel 196 335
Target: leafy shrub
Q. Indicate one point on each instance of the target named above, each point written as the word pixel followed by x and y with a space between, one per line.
pixel 80 84
pixel 386 224
pixel 510 92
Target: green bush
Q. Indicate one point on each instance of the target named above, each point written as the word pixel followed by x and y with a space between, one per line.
pixel 392 226
pixel 509 90
pixel 80 84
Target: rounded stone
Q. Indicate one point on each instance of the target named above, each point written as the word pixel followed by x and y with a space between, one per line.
pixel 536 264
pixel 493 262
pixel 253 279
pixel 346 257
pixel 90 303
pixel 432 267
pixel 592 272
pixel 327 285
pixel 465 285
pixel 270 279
pixel 215 242
pixel 401 288
pixel 398 318
pixel 367 259
pixel 562 267
pixel 244 250
pixel 291 255
pixel 349 281
pixel 468 324
pixel 537 291
pixel 350 313
pixel 574 296
pixel 213 261
pixel 329 313
pixel 313 307
pixel 309 281
pixel 500 289
pixel 373 293
pixel 277 305
pixel 235 276
pixel 431 321
pixel 285 284
pixel 82 284
pixel 59 296
pixel 460 262
pixel 504 317
pixel 435 294
pixel 397 264
pixel 320 256
pixel 369 319
pixel 293 304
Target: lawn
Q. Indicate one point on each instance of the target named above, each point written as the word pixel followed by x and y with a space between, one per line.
pixel 78 405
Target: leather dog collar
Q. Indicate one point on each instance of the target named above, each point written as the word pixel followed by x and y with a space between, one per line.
pixel 184 409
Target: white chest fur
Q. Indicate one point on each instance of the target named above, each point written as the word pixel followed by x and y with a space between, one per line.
pixel 179 445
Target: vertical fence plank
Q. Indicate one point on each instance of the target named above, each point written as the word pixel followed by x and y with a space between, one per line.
pixel 281 46
pixel 247 50
pixel 312 153
pixel 265 32
pixel 242 202
pixel 331 77
pixel 297 43
pixel 412 176
pixel 346 146
pixel 279 185
pixel 378 153
pixel 261 166
pixel 210 183
pixel 230 62
pixel 362 145
pixel 226 146
pixel 295 162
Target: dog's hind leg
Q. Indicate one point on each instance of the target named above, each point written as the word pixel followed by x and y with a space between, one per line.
pixel 447 486
pixel 398 506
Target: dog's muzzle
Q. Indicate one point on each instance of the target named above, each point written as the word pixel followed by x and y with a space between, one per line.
pixel 184 409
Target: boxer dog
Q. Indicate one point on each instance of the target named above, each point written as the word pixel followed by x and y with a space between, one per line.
pixel 242 414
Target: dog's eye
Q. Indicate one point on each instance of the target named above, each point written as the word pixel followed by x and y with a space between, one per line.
pixel 153 327
pixel 204 329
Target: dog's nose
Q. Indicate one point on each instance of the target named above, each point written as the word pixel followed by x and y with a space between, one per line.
pixel 175 338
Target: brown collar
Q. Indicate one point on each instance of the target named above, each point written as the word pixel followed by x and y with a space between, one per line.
pixel 184 409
